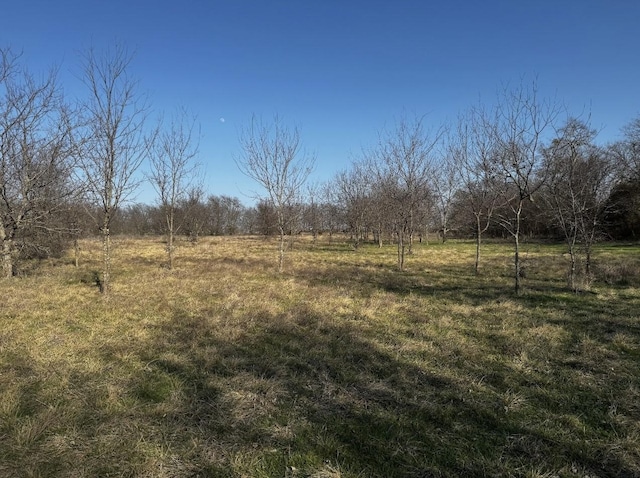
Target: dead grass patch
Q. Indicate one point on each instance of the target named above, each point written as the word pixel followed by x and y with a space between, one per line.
pixel 341 366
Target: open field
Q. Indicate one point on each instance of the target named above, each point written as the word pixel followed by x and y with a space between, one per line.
pixel 340 367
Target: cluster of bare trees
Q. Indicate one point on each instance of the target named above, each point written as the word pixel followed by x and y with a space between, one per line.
pixel 112 145
pixel 60 165
pixel 173 150
pixel 272 155
pixel 194 216
pixel 37 157
pixel 517 167
pixel 514 169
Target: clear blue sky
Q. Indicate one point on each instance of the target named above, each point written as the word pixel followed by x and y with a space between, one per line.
pixel 341 70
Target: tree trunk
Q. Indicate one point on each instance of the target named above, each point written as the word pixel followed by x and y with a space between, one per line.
pixel 476 267
pixel 6 252
pixel 516 260
pixel 587 267
pixel 7 258
pixel 281 251
pixel 170 235
pixel 516 240
pixel 587 254
pixel 401 248
pixel 76 252
pixel 410 234
pixel 571 278
pixel 356 237
pixel 170 249
pixel 106 257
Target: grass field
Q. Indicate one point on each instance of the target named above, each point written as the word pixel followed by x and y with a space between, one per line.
pixel 340 367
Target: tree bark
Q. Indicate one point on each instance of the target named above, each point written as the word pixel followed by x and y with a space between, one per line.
pixel 410 235
pixel 7 252
pixel 106 261
pixel 76 252
pixel 516 260
pixel 170 250
pixel 401 249
pixel 476 267
pixel 7 255
pixel 281 249
pixel 587 267
pixel 572 269
pixel 170 239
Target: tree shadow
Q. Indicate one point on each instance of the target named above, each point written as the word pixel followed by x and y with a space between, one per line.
pixel 301 392
pixel 317 394
pixel 453 283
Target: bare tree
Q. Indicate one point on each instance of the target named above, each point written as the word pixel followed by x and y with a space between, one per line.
pixel 628 150
pixel 351 190
pixel 520 123
pixel 226 214
pixel 79 224
pixel 312 211
pixel 405 165
pixel 114 149
pixel 272 156
pixel 445 185
pixel 381 217
pixel 579 184
pixel 266 219
pixel 624 210
pixel 192 212
pixel 172 153
pixel 36 146
pixel 332 211
pixel 473 150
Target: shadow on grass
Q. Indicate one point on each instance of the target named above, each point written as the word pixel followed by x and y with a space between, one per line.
pixel 303 394
pixel 450 283
pixel 586 313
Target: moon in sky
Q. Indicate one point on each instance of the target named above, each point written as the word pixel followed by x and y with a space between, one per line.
pixel 222 120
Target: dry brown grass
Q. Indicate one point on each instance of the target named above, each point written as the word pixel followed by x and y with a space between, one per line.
pixel 340 367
